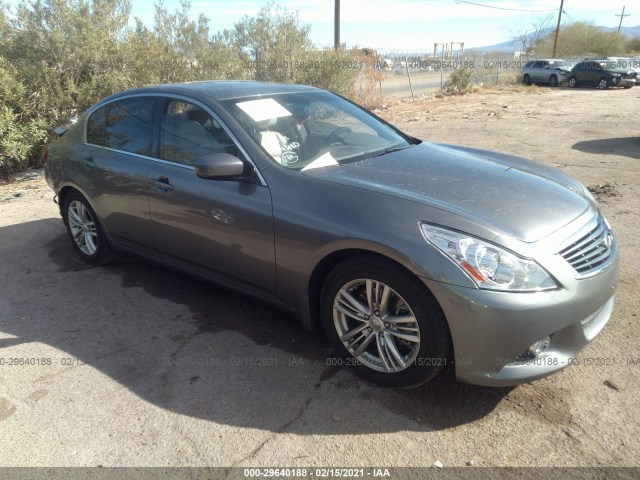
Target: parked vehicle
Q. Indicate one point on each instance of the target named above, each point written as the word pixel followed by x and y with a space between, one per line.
pixel 625 63
pixel 548 71
pixel 593 73
pixel 410 255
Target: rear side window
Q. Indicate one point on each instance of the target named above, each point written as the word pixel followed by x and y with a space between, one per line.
pixel 123 125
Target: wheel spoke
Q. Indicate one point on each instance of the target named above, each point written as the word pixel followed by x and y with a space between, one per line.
pixel 74 217
pixel 370 295
pixel 363 346
pixel 403 336
pixel 349 312
pixel 90 243
pixel 353 301
pixel 394 319
pixel 391 347
pixel 352 333
pixel 382 352
pixel 384 298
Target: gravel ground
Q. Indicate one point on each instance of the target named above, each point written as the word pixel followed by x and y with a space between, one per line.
pixel 133 365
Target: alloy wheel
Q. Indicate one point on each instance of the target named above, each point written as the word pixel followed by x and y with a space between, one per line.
pixel 83 227
pixel 376 325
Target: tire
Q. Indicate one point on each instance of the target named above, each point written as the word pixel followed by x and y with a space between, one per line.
pixel 553 81
pixel 603 83
pixel 573 82
pixel 628 86
pixel 526 80
pixel 406 355
pixel 85 231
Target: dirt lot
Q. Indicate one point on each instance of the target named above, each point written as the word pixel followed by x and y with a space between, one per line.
pixel 140 366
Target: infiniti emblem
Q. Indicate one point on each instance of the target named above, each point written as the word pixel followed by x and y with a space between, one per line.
pixel 608 241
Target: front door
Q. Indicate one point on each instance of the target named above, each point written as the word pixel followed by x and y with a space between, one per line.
pixel 223 228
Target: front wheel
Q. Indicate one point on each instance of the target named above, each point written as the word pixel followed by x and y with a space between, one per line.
pixel 573 83
pixel 603 84
pixel 84 230
pixel 384 322
pixel 553 81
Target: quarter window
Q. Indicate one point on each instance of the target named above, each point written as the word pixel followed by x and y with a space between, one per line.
pixel 95 126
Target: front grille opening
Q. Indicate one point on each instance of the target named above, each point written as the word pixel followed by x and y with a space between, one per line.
pixel 591 251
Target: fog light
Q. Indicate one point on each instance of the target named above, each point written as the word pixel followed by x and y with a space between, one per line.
pixel 540 346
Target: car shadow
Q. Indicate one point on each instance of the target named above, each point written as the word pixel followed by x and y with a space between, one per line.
pixel 624 146
pixel 195 349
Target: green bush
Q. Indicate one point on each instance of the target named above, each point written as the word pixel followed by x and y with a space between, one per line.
pixel 19 134
pixel 459 82
pixel 58 57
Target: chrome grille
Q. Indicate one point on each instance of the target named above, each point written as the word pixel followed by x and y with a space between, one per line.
pixel 590 251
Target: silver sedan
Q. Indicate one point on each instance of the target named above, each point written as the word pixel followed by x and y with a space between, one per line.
pixel 411 256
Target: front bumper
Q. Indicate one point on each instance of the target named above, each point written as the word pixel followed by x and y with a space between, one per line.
pixel 492 330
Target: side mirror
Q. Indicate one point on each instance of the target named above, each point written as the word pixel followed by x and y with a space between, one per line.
pixel 219 166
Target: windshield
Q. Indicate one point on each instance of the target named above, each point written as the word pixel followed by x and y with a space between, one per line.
pixel 313 129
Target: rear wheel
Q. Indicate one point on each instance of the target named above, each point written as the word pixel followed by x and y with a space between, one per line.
pixel 84 230
pixel 553 81
pixel 384 322
pixel 573 83
pixel 603 84
pixel 527 80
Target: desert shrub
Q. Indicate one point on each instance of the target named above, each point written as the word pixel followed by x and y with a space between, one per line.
pixel 19 133
pixel 459 82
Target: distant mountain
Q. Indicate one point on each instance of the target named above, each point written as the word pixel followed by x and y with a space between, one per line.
pixel 511 46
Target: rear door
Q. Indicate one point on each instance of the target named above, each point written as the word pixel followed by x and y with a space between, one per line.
pixel 115 168
pixel 221 228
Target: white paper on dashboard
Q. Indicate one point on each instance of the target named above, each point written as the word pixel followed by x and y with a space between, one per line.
pixel 325 160
pixel 264 109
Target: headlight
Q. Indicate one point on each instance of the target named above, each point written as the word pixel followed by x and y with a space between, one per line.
pixel 489 266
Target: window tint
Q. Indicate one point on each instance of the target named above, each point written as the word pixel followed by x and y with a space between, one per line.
pixel 188 133
pixel 129 125
pixel 537 65
pixel 95 125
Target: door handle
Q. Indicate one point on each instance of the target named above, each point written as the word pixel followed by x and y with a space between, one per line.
pixel 162 183
pixel 89 163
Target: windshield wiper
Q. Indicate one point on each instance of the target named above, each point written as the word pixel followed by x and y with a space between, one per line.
pixel 390 150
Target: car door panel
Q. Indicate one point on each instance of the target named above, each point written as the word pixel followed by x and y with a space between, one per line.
pixel 224 226
pixel 114 164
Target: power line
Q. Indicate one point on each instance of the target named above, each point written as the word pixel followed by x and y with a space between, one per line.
pixel 502 8
pixel 569 16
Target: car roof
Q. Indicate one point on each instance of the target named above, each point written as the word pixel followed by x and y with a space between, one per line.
pixel 547 60
pixel 220 89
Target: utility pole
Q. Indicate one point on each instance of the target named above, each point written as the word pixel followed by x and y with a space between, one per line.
pixel 621 18
pixel 336 26
pixel 555 40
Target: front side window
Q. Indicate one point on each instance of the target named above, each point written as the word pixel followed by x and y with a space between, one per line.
pixel 187 133
pixel 313 129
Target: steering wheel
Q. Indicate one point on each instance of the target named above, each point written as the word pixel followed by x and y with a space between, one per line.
pixel 334 137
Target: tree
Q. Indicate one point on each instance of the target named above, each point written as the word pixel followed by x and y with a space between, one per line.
pixel 581 39
pixel 633 46
pixel 531 36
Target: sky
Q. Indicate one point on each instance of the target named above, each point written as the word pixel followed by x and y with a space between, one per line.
pixel 412 24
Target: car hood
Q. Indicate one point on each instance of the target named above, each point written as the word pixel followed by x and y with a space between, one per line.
pixel 621 71
pixel 517 197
